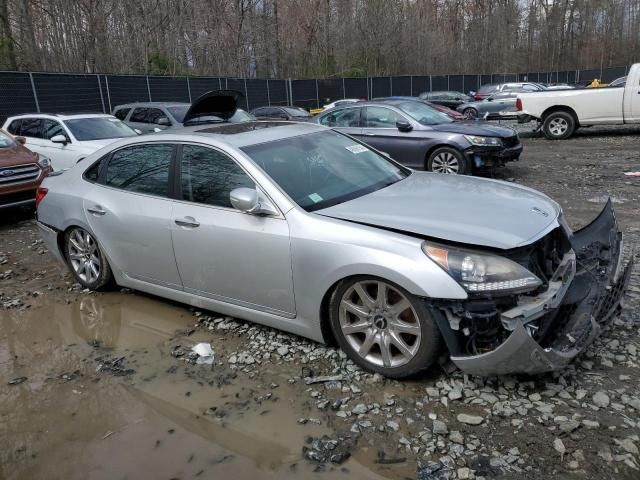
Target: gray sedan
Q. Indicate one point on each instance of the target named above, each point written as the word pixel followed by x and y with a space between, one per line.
pixel 497 106
pixel 301 228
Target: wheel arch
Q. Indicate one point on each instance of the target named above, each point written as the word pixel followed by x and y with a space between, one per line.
pixel 437 146
pixel 560 108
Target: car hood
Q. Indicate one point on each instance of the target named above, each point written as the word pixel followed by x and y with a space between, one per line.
pixel 93 145
pixel 455 208
pixel 16 155
pixel 218 103
pixel 475 128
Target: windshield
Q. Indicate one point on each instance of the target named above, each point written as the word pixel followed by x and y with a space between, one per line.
pixel 487 88
pixel 5 140
pixel 322 169
pixel 424 114
pixel 178 112
pixel 98 128
pixel 297 112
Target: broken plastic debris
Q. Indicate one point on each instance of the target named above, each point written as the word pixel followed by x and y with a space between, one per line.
pixel 204 352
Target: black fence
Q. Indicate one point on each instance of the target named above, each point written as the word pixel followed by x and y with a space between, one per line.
pixel 22 92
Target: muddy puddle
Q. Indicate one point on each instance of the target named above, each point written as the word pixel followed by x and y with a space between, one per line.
pixel 72 418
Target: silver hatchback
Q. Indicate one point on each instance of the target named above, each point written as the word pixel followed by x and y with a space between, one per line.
pixel 304 229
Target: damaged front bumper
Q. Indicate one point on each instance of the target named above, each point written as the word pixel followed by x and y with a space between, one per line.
pixel 547 331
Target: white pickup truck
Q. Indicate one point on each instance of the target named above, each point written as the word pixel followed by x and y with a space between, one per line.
pixel 561 112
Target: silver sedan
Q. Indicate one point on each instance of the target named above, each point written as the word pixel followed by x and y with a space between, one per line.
pixel 307 230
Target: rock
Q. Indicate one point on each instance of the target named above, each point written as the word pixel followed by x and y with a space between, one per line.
pixel 456 437
pixel 465 473
pixel 455 394
pixel 439 427
pixel 573 465
pixel 489 398
pixel 600 399
pixel 359 409
pixel 535 397
pixel 591 424
pixel 469 419
pixel 282 351
pixel 395 426
pixel 628 445
pixel 559 447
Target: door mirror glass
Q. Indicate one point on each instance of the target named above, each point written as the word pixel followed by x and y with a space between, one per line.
pixel 60 139
pixel 247 200
pixel 139 132
pixel 163 121
pixel 20 140
pixel 404 126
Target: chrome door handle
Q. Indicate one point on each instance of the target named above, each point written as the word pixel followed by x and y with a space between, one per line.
pixel 96 210
pixel 188 222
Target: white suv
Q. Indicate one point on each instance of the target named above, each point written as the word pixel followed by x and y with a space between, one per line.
pixel 67 139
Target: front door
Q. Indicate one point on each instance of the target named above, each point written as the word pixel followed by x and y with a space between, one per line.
pixel 380 131
pixel 223 253
pixel 129 211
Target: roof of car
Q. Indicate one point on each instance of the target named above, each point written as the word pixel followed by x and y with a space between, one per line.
pixel 61 116
pixel 249 133
pixel 152 104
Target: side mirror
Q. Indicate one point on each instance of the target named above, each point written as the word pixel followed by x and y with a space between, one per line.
pixel 247 200
pixel 60 139
pixel 138 131
pixel 163 121
pixel 489 99
pixel 156 129
pixel 404 126
pixel 20 140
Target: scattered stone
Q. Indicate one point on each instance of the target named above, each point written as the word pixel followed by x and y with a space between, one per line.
pixel 327 450
pixel 470 419
pixel 439 427
pixel 17 381
pixel 559 447
pixel 601 399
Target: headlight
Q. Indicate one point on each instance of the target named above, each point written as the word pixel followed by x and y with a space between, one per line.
pixel 43 161
pixel 484 141
pixel 482 272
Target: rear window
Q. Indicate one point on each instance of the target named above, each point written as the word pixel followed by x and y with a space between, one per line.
pixel 178 112
pixel 122 113
pixel 487 88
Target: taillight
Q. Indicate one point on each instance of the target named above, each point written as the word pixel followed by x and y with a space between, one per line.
pixel 40 194
pixel 477 97
pixel 518 105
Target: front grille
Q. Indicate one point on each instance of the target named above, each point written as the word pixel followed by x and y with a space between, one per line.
pixel 19 174
pixel 511 142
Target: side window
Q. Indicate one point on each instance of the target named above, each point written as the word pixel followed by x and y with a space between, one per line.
pixel 31 127
pixel 260 112
pixel 139 115
pixel 121 114
pixel 91 173
pixel 14 127
pixel 380 117
pixel 530 88
pixel 52 128
pixel 209 176
pixel 141 169
pixel 349 117
pixel 154 114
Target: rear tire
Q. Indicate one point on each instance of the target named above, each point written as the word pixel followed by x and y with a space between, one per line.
pixel 448 160
pixel 383 328
pixel 470 113
pixel 558 125
pixel 86 259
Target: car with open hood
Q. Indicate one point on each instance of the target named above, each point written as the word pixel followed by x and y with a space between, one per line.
pixel 21 172
pixel 301 228
pixel 419 136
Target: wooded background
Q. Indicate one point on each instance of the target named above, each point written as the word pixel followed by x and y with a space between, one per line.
pixel 316 38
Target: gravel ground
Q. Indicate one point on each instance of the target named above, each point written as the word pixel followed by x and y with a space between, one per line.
pixel 322 415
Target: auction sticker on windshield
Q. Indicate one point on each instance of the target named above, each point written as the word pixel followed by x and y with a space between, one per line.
pixel 314 197
pixel 357 148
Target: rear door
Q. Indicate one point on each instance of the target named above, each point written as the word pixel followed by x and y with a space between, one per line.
pixel 129 210
pixel 138 119
pixel 223 253
pixel 632 96
pixel 380 131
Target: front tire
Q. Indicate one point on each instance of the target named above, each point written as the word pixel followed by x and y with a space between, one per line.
pixel 383 328
pixel 86 260
pixel 558 125
pixel 448 160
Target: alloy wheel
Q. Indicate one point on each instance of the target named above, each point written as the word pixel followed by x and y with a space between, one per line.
pixel 445 162
pixel 379 323
pixel 558 126
pixel 84 255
